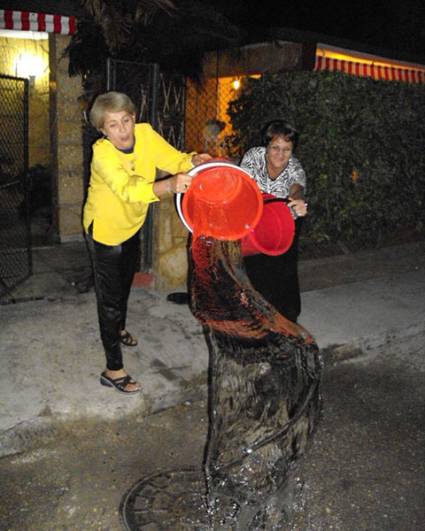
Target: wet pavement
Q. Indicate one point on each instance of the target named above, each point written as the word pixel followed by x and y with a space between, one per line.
pixel 366 467
pixel 364 470
pixel 73 448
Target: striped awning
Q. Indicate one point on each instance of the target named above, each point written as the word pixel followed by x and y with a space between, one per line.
pixel 26 21
pixel 362 69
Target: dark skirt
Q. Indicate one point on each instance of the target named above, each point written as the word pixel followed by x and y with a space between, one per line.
pixel 276 278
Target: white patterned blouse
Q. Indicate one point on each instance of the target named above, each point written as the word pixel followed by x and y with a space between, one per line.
pixel 254 162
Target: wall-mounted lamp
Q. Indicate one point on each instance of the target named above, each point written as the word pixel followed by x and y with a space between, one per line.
pixel 236 83
pixel 29 66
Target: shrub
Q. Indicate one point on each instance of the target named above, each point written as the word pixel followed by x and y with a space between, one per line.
pixel 362 145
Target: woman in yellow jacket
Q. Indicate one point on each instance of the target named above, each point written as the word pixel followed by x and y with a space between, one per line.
pixel 122 185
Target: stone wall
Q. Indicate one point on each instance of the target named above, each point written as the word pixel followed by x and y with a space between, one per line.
pixel 170 237
pixel 66 145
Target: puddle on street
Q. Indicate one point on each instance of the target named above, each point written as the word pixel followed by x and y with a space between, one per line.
pixel 264 405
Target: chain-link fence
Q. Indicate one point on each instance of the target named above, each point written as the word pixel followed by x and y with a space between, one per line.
pixel 15 255
pixel 207 123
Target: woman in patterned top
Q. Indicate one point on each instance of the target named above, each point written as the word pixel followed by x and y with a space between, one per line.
pixel 278 172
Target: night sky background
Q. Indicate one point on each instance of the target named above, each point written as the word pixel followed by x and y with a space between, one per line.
pixel 391 24
pixel 388 25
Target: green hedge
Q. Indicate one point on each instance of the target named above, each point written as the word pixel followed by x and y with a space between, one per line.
pixel 362 145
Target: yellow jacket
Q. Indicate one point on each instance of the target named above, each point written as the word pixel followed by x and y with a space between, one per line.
pixel 121 185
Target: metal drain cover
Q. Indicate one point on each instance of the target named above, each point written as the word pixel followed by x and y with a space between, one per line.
pixel 173 500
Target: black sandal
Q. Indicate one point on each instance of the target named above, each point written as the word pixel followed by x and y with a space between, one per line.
pixel 119 384
pixel 127 339
pixel 178 297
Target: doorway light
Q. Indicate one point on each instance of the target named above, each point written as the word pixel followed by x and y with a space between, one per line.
pixel 30 66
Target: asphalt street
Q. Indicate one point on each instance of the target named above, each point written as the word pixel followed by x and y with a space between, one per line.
pixel 364 470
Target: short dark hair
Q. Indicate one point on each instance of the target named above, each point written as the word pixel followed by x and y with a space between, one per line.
pixel 279 128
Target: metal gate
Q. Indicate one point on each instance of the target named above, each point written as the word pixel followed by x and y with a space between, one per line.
pixel 15 235
pixel 160 100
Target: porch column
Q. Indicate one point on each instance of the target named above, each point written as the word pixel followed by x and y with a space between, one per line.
pixel 66 144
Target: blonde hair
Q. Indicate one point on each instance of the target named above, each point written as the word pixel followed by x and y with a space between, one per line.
pixel 109 102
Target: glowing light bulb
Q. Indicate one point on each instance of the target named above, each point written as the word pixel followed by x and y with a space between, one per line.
pixel 236 84
pixel 29 66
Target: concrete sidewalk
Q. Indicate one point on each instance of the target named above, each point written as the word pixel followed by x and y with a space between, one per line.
pixel 53 355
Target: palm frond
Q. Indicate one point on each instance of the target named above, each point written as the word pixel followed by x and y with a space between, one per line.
pixel 173 33
pixel 146 10
pixel 117 18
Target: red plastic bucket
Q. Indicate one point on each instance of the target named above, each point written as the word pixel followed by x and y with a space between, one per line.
pixel 274 233
pixel 223 201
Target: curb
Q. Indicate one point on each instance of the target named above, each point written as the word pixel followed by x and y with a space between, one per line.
pixel 41 429
pixel 44 428
pixel 367 348
pixel 21 437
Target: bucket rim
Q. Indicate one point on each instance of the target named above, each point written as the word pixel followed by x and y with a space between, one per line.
pixel 193 172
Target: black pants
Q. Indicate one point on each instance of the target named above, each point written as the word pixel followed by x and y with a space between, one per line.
pixel 276 278
pixel 113 270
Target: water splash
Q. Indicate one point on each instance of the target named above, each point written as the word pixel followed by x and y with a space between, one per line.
pixel 264 400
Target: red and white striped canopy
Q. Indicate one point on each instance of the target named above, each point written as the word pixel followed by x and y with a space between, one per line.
pixel 26 21
pixel 388 73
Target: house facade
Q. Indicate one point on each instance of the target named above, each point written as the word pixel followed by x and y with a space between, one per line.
pixel 56 117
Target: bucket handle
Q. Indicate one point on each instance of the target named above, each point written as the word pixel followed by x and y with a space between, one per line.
pixel 276 200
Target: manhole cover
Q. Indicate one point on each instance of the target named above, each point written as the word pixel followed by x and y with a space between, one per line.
pixel 173 500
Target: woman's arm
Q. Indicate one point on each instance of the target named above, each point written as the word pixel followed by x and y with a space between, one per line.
pixel 296 200
pixel 181 181
pixel 130 188
pixel 172 185
pixel 200 158
pixel 296 191
pixel 169 159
